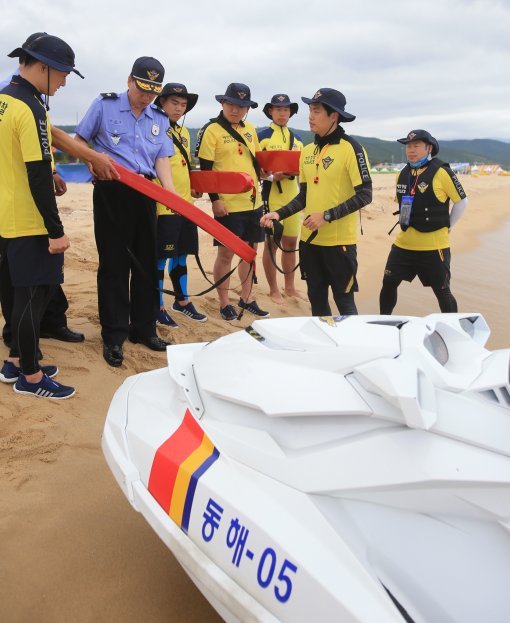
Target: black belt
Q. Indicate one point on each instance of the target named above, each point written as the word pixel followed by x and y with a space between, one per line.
pixel 146 176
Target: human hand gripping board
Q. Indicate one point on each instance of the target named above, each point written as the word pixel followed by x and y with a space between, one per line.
pixel 283 160
pixel 225 182
pixel 188 210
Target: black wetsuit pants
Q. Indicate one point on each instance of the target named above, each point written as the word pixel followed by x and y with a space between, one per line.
pixel 54 315
pixel 28 308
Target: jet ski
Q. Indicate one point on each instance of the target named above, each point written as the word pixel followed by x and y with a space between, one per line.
pixel 346 469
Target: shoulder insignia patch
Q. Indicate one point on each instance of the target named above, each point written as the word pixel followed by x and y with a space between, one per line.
pixel 109 96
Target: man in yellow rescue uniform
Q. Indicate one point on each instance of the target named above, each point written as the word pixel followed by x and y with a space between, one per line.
pixel 32 238
pixel 425 187
pixel 177 236
pixel 278 191
pixel 334 184
pixel 229 143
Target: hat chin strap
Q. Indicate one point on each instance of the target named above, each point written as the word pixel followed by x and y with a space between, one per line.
pixel 47 98
pixel 330 129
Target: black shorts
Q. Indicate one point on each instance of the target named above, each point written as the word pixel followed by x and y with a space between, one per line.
pixel 30 262
pixel 177 235
pixel 431 267
pixel 335 266
pixel 243 224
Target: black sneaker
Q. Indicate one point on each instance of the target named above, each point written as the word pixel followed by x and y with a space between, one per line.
pixel 46 388
pixel 253 308
pixel 228 313
pixel 189 311
pixel 10 373
pixel 164 318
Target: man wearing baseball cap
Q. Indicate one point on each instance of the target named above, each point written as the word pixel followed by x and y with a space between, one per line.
pixel 425 187
pixel 278 191
pixel 335 183
pixel 132 130
pixel 177 235
pixel 32 240
pixel 228 143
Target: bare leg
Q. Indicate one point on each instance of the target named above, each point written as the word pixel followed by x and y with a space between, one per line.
pixel 288 265
pixel 222 265
pixel 270 271
pixel 246 288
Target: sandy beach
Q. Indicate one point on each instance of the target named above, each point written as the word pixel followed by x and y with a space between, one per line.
pixel 71 547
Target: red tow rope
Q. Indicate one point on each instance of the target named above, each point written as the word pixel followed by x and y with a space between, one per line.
pixel 184 208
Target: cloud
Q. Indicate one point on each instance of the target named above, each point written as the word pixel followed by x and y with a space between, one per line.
pixel 441 66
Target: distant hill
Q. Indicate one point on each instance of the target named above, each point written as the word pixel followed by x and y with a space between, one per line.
pixel 478 150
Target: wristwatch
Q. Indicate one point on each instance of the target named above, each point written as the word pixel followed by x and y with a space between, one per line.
pixel 326 216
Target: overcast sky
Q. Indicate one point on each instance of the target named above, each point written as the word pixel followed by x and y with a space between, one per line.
pixel 442 65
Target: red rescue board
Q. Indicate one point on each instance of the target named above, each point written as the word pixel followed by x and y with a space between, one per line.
pixel 284 161
pixel 226 182
pixel 191 212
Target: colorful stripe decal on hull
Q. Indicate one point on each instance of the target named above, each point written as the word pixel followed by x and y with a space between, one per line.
pixel 177 466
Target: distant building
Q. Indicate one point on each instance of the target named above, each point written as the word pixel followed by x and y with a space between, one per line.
pixel 486 169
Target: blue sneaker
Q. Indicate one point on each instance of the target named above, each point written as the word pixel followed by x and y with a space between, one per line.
pixel 46 388
pixel 228 313
pixel 189 311
pixel 253 308
pixel 10 373
pixel 165 318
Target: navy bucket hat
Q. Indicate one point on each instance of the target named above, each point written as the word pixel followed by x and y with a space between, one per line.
pixel 179 90
pixel 332 98
pixel 421 135
pixel 50 50
pixel 238 94
pixel 279 100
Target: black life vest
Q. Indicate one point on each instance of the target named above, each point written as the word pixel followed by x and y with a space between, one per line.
pixel 428 213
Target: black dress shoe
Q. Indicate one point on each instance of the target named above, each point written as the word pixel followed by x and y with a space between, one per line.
pixel 113 355
pixel 154 342
pixel 65 334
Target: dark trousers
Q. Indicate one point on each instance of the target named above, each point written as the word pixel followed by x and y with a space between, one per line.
pixel 54 315
pixel 329 267
pixel 28 308
pixel 127 278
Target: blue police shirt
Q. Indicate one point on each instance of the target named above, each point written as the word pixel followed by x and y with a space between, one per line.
pixel 135 143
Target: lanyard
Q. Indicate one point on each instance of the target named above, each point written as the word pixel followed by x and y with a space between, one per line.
pixel 412 189
pixel 318 158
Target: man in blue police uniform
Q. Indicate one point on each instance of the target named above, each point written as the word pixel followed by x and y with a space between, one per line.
pixel 132 130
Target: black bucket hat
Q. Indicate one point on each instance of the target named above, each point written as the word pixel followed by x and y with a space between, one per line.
pixel 280 100
pixel 148 74
pixel 421 135
pixel 237 93
pixel 178 89
pixel 332 98
pixel 50 50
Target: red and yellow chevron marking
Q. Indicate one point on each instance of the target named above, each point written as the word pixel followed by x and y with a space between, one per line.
pixel 178 464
